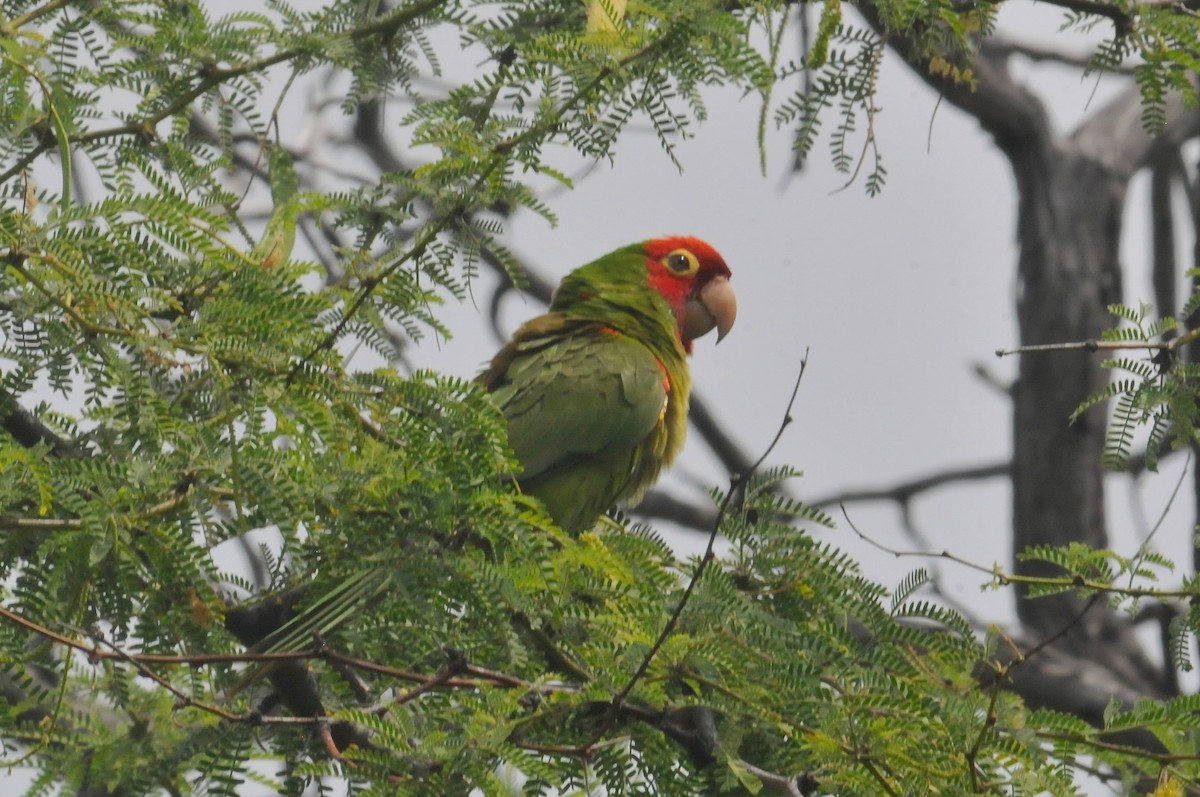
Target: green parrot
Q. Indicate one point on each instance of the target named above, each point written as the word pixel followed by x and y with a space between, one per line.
pixel 595 391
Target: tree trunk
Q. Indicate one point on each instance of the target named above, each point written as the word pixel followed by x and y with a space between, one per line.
pixel 1071 194
pixel 1069 228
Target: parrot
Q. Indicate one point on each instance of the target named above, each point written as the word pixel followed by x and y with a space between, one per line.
pixel 595 396
pixel 595 391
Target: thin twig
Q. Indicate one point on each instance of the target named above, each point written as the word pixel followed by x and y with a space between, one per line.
pixel 1057 635
pixel 166 506
pixel 183 699
pixel 468 676
pixel 1123 749
pixel 16 24
pixel 1170 502
pixel 1003 579
pixel 905 491
pixel 1106 345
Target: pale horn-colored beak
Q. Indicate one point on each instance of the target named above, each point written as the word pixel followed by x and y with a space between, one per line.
pixel 714 306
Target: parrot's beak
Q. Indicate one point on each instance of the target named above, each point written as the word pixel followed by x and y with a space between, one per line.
pixel 713 306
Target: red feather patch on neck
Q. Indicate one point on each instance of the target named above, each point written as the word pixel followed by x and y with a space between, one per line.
pixel 676 288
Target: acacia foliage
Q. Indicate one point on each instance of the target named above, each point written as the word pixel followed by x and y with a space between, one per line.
pixel 199 369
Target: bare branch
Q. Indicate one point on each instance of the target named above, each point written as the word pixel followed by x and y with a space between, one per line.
pixel 1101 345
pixel 1169 346
pixel 733 458
pixel 905 491
pixel 1034 52
pixel 662 505
pixel 29 431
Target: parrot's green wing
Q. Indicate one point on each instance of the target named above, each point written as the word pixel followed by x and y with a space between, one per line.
pixel 581 402
pixel 579 396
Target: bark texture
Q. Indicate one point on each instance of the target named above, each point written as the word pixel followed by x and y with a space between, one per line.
pixel 1072 192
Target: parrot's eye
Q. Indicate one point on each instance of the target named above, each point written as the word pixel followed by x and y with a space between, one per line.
pixel 682 262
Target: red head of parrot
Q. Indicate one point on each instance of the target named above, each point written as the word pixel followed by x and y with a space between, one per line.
pixel 694 280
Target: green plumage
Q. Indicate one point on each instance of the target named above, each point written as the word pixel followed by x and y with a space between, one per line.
pixel 595 391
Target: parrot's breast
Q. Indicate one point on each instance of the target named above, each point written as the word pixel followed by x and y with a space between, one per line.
pixel 594 415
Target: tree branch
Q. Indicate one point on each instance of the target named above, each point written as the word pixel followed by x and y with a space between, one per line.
pixel 29 431
pixel 1013 115
pixel 905 491
pixel 662 505
pixel 1008 47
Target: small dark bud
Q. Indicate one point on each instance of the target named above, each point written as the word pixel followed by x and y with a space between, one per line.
pixel 806 784
pixel 1164 360
pixel 456 660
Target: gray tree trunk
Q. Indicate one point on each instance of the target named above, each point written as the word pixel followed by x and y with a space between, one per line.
pixel 1071 197
pixel 1069 229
